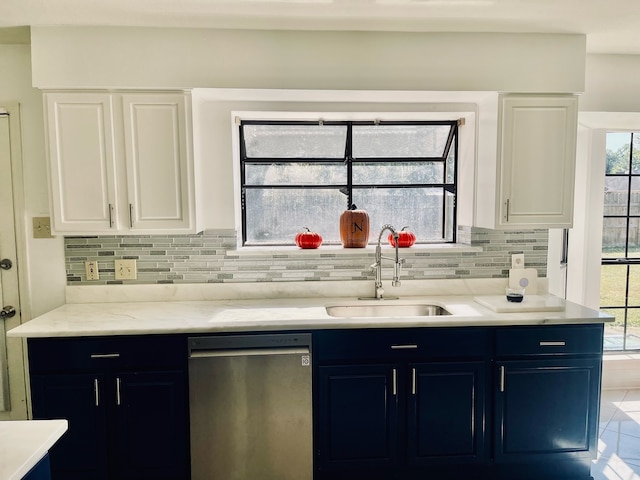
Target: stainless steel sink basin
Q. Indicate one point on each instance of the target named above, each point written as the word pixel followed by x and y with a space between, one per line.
pixel 386 310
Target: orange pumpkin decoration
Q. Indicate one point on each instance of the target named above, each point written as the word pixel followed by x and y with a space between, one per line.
pixel 354 228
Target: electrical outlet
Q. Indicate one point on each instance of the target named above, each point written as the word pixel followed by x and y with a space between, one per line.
pixel 92 270
pixel 517 260
pixel 126 269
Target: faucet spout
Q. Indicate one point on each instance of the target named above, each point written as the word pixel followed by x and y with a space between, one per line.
pixel 379 291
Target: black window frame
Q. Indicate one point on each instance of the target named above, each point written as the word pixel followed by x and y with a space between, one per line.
pixel 348 160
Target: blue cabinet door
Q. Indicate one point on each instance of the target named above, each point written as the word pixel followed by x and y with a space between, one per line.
pixel 82 452
pixel 357 417
pixel 547 410
pixel 152 426
pixel 446 413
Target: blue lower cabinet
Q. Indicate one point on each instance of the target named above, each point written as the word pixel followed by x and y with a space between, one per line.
pixel 358 417
pixel 547 415
pixel 407 419
pixel 494 403
pixel 42 470
pixel 127 420
pixel 446 413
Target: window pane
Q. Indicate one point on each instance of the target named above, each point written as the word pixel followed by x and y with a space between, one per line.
pixel 635 160
pixel 633 250
pixel 633 299
pixel 419 208
pixel 400 141
pixel 400 173
pixel 615 195
pixel 450 201
pixel 451 167
pixel 295 141
pixel 295 174
pixel 275 216
pixel 614 331
pixel 618 145
pixel 634 196
pixel 613 281
pixel 614 237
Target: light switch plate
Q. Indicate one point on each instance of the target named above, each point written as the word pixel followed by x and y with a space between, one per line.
pixel 41 227
pixel 126 269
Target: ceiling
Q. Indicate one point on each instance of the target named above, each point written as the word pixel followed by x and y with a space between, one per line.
pixel 611 26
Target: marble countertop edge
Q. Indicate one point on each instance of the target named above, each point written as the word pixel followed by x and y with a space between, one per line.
pixel 185 317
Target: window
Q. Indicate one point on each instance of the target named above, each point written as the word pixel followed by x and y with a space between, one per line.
pixel 305 174
pixel 620 276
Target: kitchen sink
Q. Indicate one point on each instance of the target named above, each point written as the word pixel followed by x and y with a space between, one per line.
pixel 386 310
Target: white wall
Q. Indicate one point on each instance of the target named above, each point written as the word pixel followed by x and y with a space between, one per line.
pixel 127 57
pixel 45 260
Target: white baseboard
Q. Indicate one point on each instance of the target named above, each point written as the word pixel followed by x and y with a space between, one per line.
pixel 621 371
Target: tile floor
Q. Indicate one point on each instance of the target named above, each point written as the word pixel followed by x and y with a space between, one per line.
pixel 619 444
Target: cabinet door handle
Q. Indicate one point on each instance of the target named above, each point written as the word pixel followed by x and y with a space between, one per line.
pixel 553 344
pixel 502 378
pixel 394 382
pixel 110 215
pixel 508 205
pixel 118 384
pixel 105 355
pixel 404 347
pixel 413 381
pixel 96 392
pixel 130 215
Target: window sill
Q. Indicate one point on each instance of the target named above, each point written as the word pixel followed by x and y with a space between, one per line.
pixel 337 250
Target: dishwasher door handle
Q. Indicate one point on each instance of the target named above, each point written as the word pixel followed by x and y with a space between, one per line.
pixel 248 352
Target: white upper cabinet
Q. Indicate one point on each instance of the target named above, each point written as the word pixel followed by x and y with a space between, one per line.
pixel 534 169
pixel 82 161
pixel 120 163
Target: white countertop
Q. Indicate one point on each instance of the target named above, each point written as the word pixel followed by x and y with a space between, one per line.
pixel 24 443
pixel 160 317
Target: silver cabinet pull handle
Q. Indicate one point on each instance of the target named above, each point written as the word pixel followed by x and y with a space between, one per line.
pixel 130 215
pixel 502 378
pixel 404 347
pixel 394 374
pixel 413 381
pixel 96 392
pixel 118 384
pixel 110 215
pixel 553 344
pixel 105 355
pixel 508 205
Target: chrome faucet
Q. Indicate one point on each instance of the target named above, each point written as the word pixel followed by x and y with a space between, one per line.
pixel 377 266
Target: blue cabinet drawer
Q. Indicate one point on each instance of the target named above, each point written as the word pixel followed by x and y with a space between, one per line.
pixel 551 340
pixel 99 353
pixel 394 344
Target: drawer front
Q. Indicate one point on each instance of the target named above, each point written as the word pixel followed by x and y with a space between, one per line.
pixel 393 344
pixel 552 340
pixel 99 353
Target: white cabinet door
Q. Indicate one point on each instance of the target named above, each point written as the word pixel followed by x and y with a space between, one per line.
pixel 120 163
pixel 156 153
pixel 81 161
pixel 537 148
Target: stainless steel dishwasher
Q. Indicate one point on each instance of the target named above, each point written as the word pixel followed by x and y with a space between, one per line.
pixel 250 407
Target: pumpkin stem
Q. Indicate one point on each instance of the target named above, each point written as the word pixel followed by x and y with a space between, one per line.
pixel 352 207
pixel 403 228
pixel 307 229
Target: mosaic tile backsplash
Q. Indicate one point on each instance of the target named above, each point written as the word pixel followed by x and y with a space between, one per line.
pixel 211 257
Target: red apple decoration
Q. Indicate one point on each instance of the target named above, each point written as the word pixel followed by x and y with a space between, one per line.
pixel 406 238
pixel 308 239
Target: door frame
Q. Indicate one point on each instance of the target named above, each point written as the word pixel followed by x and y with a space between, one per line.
pixel 18 387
